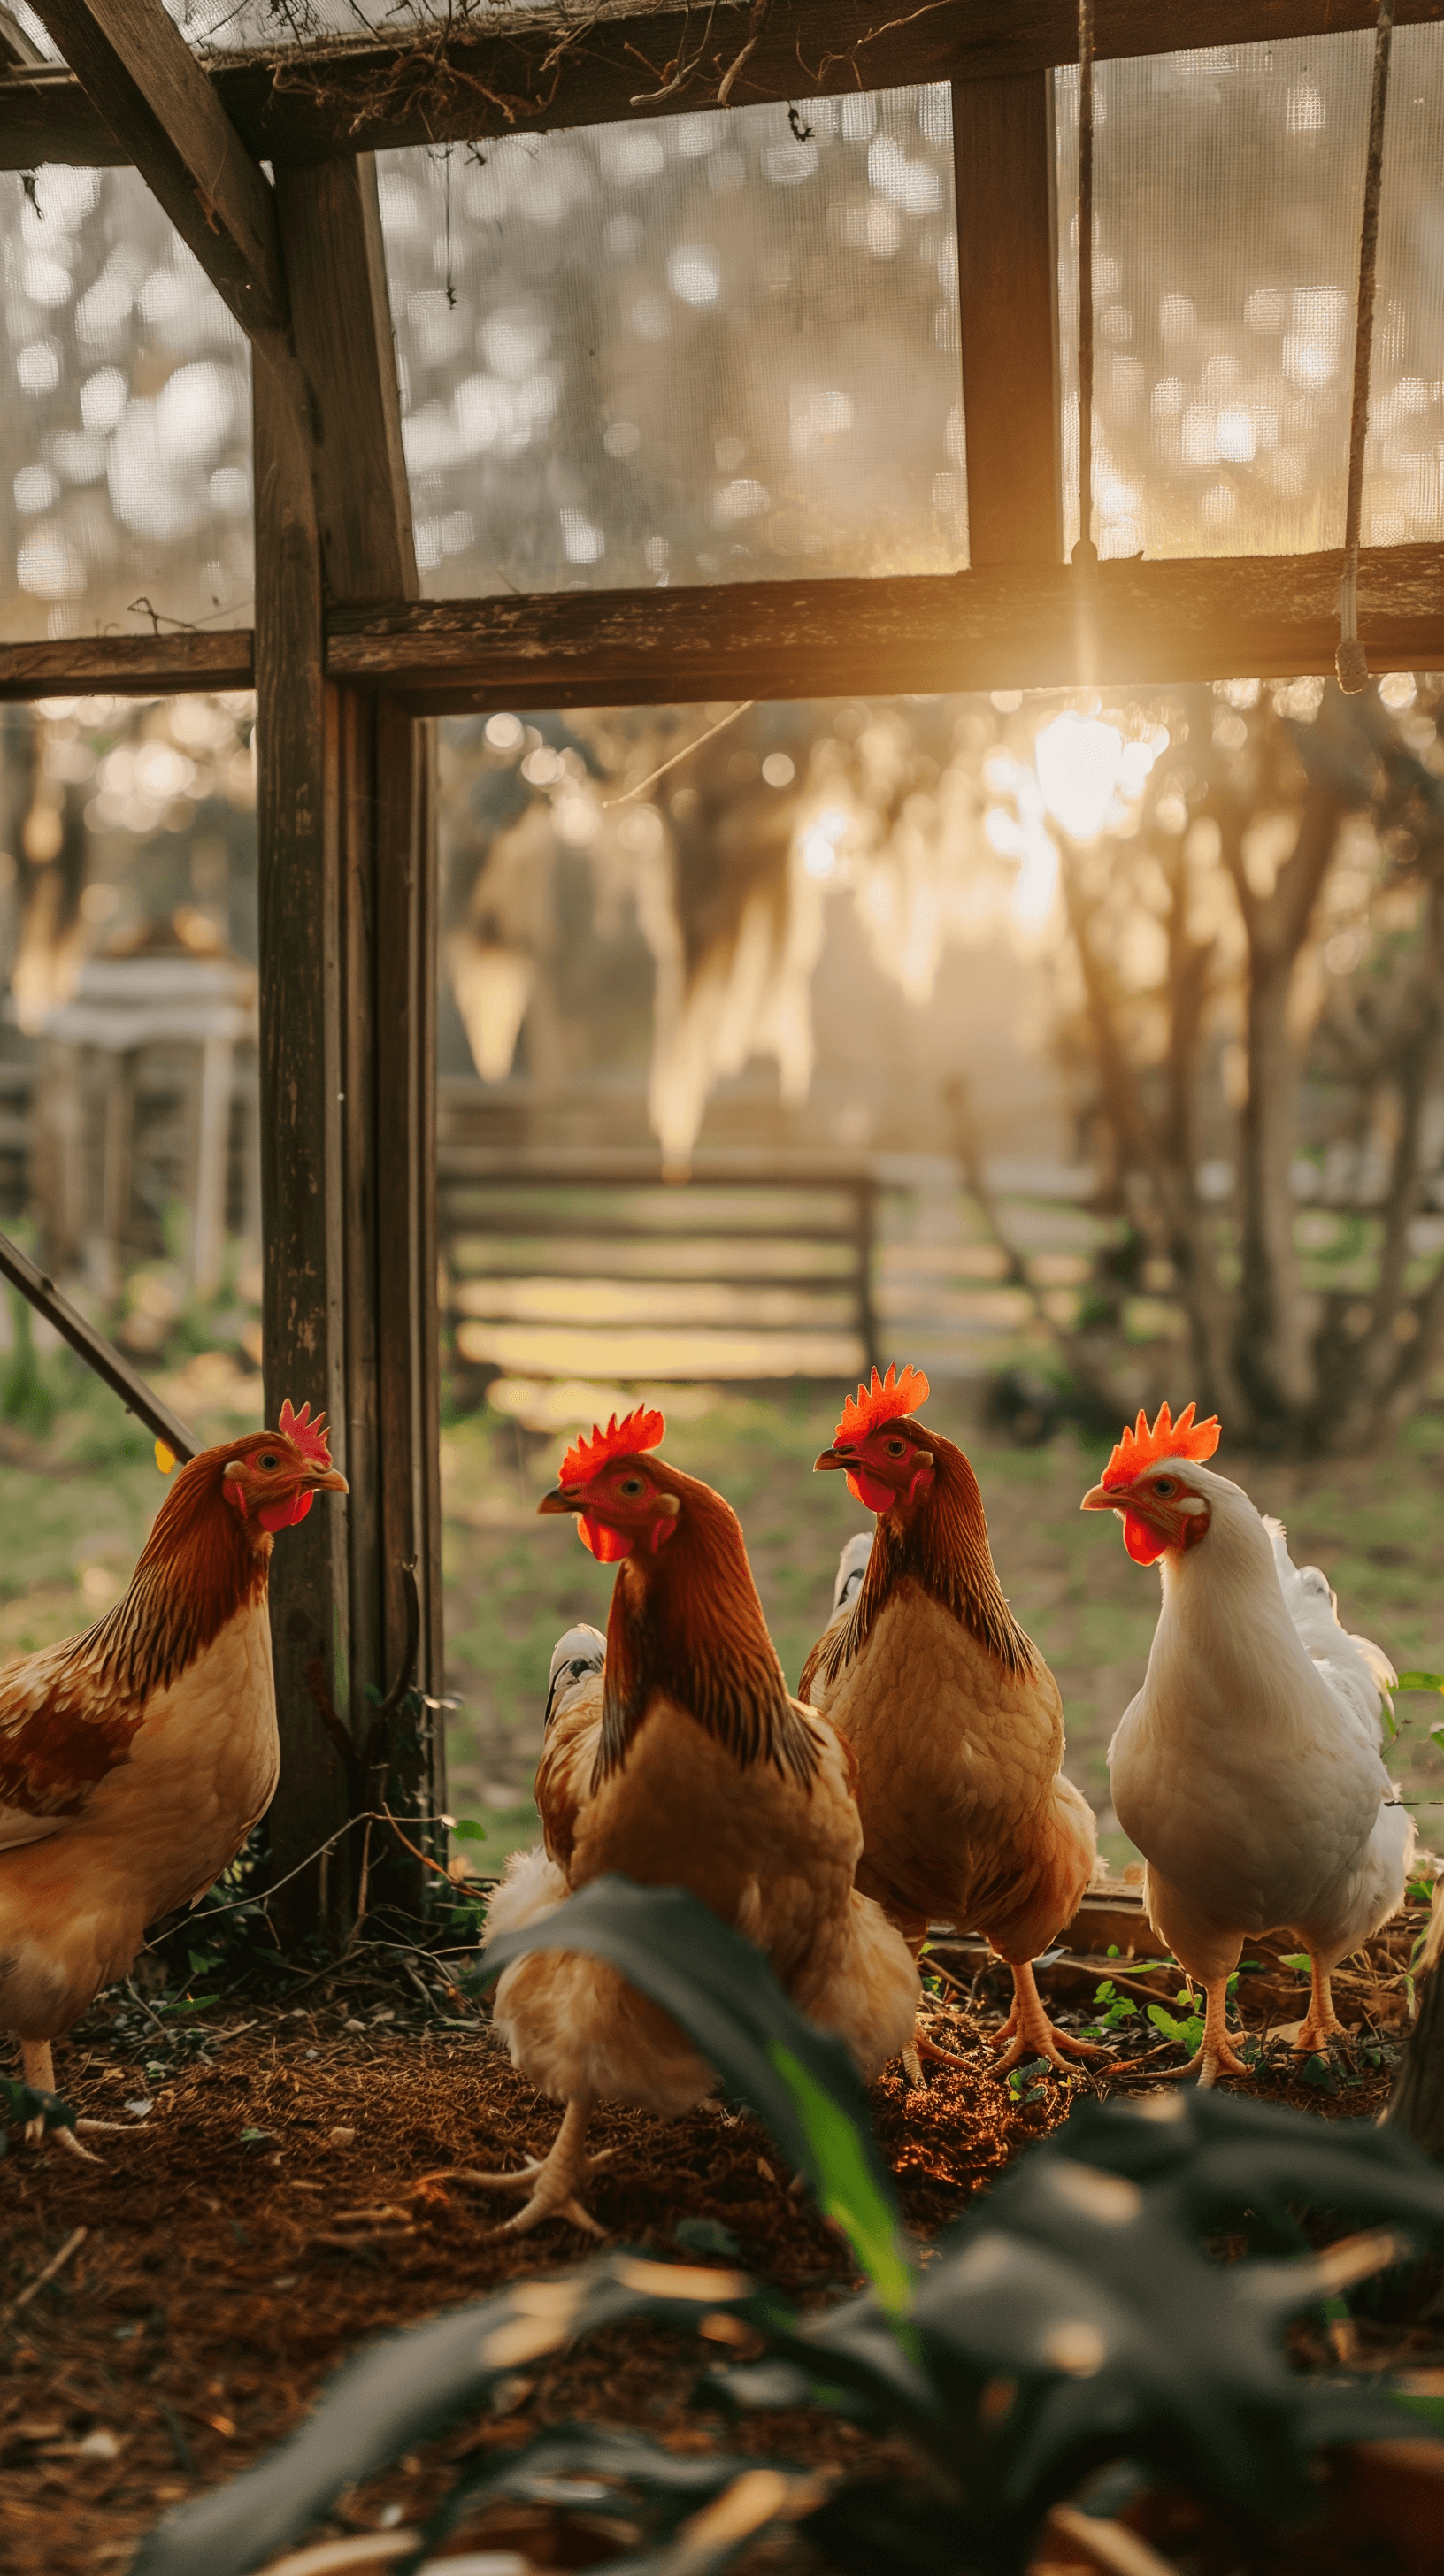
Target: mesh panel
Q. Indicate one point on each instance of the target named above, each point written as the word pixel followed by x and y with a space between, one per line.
pixel 1228 192
pixel 716 347
pixel 125 417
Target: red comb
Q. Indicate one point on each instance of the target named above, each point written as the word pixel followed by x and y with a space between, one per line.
pixel 310 1437
pixel 1141 1446
pixel 639 1430
pixel 883 1401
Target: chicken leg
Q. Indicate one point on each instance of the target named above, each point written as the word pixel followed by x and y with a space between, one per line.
pixel 553 2179
pixel 1032 2033
pixel 37 2069
pixel 1216 2053
pixel 1320 2023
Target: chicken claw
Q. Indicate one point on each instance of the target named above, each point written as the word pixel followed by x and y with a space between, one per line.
pixel 1032 2033
pixel 1217 2054
pixel 554 2179
pixel 917 2049
pixel 1320 2023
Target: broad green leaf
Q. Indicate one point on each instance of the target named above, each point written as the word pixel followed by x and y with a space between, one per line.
pixel 1298 1959
pixel 798 2079
pixel 467 1830
pixel 1420 1682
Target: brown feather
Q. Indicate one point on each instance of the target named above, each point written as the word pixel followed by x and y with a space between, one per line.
pixel 686 1623
pixel 941 1540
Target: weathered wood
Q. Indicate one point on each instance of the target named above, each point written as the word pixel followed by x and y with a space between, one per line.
pixel 300 1049
pixel 546 69
pixel 389 1166
pixel 1008 297
pixel 998 627
pixel 158 102
pixel 1417 2103
pixel 128 666
pixel 336 272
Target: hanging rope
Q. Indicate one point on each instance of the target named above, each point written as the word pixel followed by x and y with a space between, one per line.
pixel 1085 552
pixel 1350 661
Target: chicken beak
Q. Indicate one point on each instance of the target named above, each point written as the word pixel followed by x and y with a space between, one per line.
pixel 829 1458
pixel 333 1482
pixel 1102 1498
pixel 558 1501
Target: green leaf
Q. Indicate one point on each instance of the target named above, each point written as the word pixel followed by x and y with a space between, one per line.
pixel 798 2079
pixel 22 2103
pixel 706 2236
pixel 1420 1682
pixel 1163 2020
pixel 1297 1959
pixel 1421 1891
pixel 467 1830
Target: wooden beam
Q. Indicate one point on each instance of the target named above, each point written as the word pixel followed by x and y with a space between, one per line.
pixel 336 271
pixel 1008 298
pixel 303 1321
pixel 545 69
pixel 155 96
pixel 128 666
pixel 1031 627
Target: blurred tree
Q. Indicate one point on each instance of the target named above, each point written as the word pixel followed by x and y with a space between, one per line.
pixel 1252 1008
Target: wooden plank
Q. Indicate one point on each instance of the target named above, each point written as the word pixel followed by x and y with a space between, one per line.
pixel 544 69
pixel 1008 297
pixel 154 95
pixel 336 272
pixel 300 1061
pixel 128 666
pixel 1031 627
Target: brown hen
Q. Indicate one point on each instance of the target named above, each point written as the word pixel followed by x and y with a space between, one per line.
pixel 953 1715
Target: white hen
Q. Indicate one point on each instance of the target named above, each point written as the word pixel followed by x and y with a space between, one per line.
pixel 1248 1768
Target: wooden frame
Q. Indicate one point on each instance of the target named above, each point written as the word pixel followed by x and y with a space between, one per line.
pixel 349 663
pixel 567 66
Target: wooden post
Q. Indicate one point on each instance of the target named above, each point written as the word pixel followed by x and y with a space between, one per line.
pixel 1008 296
pixel 347 1029
pixel 303 1319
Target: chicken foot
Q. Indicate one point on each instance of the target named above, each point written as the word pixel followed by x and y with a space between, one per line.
pixel 917 2049
pixel 37 2069
pixel 1032 2033
pixel 553 2179
pixel 1217 2053
pixel 1320 2023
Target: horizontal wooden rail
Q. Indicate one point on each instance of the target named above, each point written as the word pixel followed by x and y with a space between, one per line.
pixel 1027 627
pixel 128 666
pixel 544 69
pixel 1031 627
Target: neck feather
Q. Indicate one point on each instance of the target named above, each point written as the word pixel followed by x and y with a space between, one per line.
pixel 941 1541
pixel 200 1565
pixel 686 1624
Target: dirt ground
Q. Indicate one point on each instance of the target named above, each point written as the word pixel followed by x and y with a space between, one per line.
pixel 297 2187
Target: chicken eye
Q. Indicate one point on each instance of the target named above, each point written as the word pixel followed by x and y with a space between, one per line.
pixel 1164 1485
pixel 269 1462
pixel 895 1448
pixel 630 1486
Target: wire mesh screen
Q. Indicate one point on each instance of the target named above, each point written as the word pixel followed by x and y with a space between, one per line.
pixel 125 418
pixel 715 347
pixel 1228 190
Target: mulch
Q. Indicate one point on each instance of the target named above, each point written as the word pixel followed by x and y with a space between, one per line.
pixel 290 2195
